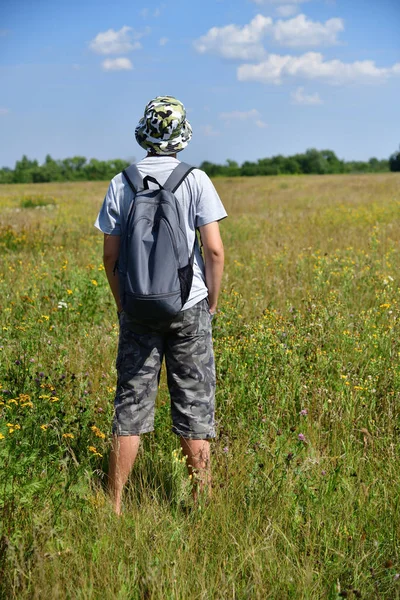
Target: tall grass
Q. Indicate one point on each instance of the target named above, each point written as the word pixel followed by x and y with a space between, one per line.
pixel 305 466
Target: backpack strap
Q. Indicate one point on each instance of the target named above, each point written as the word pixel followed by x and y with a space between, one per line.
pixel 133 177
pixel 177 177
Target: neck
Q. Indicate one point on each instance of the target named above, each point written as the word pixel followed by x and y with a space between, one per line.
pixel 151 155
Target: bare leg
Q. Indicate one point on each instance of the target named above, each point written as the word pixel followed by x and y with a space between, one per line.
pixel 122 458
pixel 197 454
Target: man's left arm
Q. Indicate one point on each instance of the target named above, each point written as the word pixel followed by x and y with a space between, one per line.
pixel 110 257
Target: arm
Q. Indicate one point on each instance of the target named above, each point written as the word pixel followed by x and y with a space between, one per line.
pixel 110 257
pixel 214 261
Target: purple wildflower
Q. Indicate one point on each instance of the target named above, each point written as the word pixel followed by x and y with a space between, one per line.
pixel 323 473
pixel 303 412
pixel 226 449
pixel 301 437
pixel 17 362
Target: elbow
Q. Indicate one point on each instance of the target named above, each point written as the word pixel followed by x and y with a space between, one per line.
pixel 215 254
pixel 109 259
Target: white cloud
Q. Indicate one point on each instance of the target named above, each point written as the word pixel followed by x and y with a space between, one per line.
pixel 209 131
pixel 4 111
pixel 246 43
pixel 301 31
pixel 163 41
pixel 243 115
pixel 232 41
pixel 239 115
pixel 287 10
pixel 299 97
pixel 117 64
pixel 313 66
pixel 117 42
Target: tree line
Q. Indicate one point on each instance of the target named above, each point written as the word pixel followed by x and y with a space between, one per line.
pixel 78 168
pixel 316 162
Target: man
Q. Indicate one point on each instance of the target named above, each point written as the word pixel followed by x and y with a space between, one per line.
pixel 186 340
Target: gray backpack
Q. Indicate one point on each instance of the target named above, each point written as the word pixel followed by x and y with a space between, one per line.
pixel 154 266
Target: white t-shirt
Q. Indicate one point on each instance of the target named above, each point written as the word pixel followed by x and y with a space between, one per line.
pixel 197 196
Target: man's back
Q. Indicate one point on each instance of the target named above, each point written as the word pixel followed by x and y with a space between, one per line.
pixel 197 196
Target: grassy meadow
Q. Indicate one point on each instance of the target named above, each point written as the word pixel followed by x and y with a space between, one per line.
pixel 306 474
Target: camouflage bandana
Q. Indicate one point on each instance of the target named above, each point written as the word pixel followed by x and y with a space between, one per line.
pixel 164 128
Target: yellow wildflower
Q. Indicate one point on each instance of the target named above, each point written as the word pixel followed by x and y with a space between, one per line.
pixel 44 396
pixel 44 427
pixel 97 432
pixel 24 397
pixel 45 317
pixel 12 401
pixel 94 282
pixel 54 399
pixel 69 292
pixel 94 450
pixel 1 436
pixel 30 404
pixel 12 428
pixel 68 436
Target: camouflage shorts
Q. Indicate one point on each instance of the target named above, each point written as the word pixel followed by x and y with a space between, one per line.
pixel 186 343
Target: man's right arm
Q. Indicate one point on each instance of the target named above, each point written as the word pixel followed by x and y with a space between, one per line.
pixel 214 261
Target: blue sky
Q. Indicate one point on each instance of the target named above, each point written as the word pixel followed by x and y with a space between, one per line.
pixel 257 77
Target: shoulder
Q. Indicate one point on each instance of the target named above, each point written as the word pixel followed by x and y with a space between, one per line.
pixel 117 182
pixel 199 180
pixel 118 187
pixel 200 175
pixel 203 184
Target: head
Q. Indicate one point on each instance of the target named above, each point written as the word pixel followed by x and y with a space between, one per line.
pixel 164 130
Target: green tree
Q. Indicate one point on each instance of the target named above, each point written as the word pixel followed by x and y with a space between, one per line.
pixel 23 172
pixel 394 161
